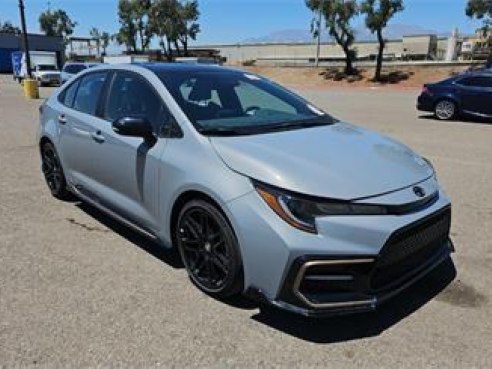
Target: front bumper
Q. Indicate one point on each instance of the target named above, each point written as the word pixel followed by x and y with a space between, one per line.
pixel 50 80
pixel 317 286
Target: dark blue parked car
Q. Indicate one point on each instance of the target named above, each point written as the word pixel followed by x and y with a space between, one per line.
pixel 468 94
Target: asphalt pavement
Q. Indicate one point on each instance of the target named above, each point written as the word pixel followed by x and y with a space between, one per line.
pixel 78 289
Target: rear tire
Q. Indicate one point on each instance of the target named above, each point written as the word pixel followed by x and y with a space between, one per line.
pixel 53 172
pixel 209 249
pixel 445 110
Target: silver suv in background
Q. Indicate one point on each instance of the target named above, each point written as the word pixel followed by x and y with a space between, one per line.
pixel 259 190
pixel 71 69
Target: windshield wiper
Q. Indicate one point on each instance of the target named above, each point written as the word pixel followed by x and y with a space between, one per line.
pixel 259 129
pixel 222 131
pixel 301 124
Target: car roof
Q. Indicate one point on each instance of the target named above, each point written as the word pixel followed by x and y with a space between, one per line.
pixel 82 63
pixel 478 73
pixel 184 67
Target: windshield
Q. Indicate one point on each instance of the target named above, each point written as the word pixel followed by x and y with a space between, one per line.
pixel 229 102
pixel 45 67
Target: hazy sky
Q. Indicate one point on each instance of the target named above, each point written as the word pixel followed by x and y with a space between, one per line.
pixel 235 20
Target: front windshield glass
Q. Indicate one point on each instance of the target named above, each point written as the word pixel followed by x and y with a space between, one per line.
pixel 229 101
pixel 46 67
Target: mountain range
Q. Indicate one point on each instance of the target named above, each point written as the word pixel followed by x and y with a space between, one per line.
pixel 393 31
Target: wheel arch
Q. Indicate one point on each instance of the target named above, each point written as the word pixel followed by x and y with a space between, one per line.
pixel 43 140
pixel 186 197
pixel 451 98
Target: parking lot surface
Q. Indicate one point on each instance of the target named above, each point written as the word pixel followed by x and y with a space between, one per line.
pixel 77 289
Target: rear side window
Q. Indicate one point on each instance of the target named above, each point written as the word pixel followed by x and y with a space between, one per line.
pixel 132 96
pixel 69 94
pixel 476 82
pixel 89 93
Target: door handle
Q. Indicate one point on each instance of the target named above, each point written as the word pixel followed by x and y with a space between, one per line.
pixel 62 119
pixel 98 137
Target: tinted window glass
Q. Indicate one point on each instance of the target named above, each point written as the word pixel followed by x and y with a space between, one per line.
pixel 228 99
pixel 45 67
pixel 89 93
pixel 132 96
pixel 69 94
pixel 74 68
pixel 476 82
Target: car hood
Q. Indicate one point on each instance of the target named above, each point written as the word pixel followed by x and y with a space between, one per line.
pixel 340 161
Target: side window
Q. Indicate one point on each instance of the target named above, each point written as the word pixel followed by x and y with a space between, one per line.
pixel 476 82
pixel 132 96
pixel 467 82
pixel 89 92
pixel 68 95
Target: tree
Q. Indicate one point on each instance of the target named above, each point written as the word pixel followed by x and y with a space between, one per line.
pixel 165 24
pixel 135 29
pixel 482 9
pixel 105 40
pixel 338 15
pixel 56 23
pixel 96 35
pixel 378 13
pixel 102 39
pixel 8 27
pixel 188 15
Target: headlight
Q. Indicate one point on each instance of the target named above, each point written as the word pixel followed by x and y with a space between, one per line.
pixel 429 163
pixel 301 211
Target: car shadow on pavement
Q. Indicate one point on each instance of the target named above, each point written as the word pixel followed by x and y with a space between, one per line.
pixel 169 256
pixel 476 120
pixel 357 326
pixel 316 330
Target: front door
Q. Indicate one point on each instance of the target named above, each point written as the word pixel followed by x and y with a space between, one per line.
pixel 126 169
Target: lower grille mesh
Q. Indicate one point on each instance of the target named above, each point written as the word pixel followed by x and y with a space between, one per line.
pixel 410 248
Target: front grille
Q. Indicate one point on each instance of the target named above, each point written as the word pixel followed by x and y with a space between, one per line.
pixel 409 249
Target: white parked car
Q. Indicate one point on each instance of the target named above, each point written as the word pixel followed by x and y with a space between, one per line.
pixel 46 74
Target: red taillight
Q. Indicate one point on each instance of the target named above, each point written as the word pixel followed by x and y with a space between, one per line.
pixel 426 91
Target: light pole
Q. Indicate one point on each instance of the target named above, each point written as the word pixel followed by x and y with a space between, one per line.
pixel 318 41
pixel 24 34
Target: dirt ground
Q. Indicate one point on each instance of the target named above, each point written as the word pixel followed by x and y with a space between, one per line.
pixel 401 78
pixel 79 290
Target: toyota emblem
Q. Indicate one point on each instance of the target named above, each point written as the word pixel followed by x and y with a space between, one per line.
pixel 419 191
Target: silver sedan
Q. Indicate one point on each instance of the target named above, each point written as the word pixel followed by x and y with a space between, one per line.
pixel 260 191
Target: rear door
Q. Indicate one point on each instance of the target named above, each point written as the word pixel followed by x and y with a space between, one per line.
pixel 476 95
pixel 78 121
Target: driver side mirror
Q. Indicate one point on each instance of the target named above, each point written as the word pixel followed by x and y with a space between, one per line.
pixel 133 127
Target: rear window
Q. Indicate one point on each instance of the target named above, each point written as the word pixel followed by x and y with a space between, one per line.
pixel 74 68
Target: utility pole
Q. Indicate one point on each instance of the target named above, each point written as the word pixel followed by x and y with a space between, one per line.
pixel 318 41
pixel 24 34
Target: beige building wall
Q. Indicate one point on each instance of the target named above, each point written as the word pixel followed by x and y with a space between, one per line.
pixel 302 52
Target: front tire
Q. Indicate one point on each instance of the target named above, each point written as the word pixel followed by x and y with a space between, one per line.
pixel 446 110
pixel 209 249
pixel 53 172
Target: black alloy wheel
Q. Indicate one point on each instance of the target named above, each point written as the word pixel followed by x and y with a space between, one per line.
pixel 53 172
pixel 209 249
